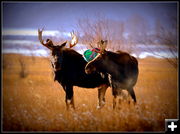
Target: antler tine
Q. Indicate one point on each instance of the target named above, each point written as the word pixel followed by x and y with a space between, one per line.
pixel 99 44
pixel 48 44
pixel 102 44
pixel 74 39
pixel 40 36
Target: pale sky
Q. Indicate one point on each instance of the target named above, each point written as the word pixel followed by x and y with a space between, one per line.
pixel 64 15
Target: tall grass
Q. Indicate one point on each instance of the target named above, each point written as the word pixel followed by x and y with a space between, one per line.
pixel 37 103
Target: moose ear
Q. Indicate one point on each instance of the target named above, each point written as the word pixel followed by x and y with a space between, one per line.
pixel 63 44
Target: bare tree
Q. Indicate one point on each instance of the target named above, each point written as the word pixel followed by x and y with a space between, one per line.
pixel 163 37
pixel 167 37
pixel 101 29
pixel 126 35
pixel 137 28
pixel 92 31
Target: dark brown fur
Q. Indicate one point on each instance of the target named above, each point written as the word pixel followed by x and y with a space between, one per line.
pixel 121 68
pixel 69 70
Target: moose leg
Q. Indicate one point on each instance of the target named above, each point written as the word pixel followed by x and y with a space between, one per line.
pixel 114 93
pixel 131 92
pixel 114 101
pixel 120 97
pixel 101 96
pixel 69 97
pixel 117 98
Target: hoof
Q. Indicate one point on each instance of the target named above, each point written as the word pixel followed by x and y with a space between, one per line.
pixel 98 107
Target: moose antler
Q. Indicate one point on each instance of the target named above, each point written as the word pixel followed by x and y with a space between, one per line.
pixel 74 40
pixel 48 44
pixel 102 44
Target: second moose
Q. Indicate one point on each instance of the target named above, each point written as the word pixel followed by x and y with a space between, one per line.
pixel 121 68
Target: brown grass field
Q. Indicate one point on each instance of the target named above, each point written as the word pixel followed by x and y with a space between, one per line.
pixel 37 103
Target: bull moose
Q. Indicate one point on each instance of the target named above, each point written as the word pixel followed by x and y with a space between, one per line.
pixel 121 68
pixel 69 70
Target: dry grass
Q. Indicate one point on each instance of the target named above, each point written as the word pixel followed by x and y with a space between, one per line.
pixel 36 103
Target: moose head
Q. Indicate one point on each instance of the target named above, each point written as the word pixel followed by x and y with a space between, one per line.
pixel 56 50
pixel 102 44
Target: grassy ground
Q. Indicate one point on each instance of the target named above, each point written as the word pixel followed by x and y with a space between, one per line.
pixel 36 102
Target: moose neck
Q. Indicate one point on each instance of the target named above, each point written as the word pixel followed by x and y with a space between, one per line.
pixel 110 67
